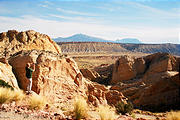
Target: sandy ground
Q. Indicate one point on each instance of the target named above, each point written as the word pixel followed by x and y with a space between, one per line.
pixel 11 115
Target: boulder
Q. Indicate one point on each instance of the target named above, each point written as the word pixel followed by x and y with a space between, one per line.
pixel 127 68
pixel 90 74
pixel 99 94
pixel 14 41
pixel 158 64
pixel 161 95
pixel 7 75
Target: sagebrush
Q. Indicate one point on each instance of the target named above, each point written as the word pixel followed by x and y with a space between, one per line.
pixel 124 108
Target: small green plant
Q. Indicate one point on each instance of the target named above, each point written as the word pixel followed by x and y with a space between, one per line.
pixel 124 108
pixel 5 84
pixel 36 102
pixel 106 112
pixel 133 115
pixel 80 108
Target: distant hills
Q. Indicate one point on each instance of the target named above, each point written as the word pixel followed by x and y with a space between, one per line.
pixel 92 47
pixel 85 43
pixel 129 40
pixel 86 38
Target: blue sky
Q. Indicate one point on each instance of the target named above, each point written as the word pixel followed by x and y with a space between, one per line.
pixel 150 21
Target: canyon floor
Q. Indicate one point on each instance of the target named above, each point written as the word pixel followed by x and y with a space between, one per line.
pixel 91 60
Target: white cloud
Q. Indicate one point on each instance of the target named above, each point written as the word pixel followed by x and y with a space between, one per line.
pixel 77 19
pixel 43 5
pixel 75 12
pixel 154 11
pixel 64 29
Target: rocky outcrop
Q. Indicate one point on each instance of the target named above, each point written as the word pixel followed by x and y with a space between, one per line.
pixel 90 74
pixel 149 82
pixel 59 79
pixel 99 94
pixel 55 76
pixel 7 75
pixel 127 68
pixel 161 95
pixel 14 41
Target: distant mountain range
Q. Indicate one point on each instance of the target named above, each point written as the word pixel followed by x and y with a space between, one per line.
pixel 129 40
pixel 86 38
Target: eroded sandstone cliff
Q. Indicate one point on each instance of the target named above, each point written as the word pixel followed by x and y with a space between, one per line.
pixel 151 82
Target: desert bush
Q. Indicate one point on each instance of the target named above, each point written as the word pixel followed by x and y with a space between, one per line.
pixel 36 102
pixel 6 95
pixel 173 115
pixel 124 108
pixel 106 112
pixel 80 108
pixel 5 84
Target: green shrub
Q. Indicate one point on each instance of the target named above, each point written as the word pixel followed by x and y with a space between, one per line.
pixel 123 108
pixel 5 84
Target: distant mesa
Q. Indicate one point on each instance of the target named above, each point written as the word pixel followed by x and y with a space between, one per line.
pixel 129 40
pixel 80 38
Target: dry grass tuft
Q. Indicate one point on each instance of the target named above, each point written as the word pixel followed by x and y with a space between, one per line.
pixel 36 102
pixel 80 108
pixel 106 112
pixel 18 95
pixel 173 116
pixel 6 95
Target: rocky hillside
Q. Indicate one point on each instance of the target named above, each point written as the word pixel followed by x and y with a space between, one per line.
pixel 116 47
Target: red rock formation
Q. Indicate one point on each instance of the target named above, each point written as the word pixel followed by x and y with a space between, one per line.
pixel 54 76
pixel 127 68
pixel 149 81
pixel 160 95
pixel 90 74
pixel 14 41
